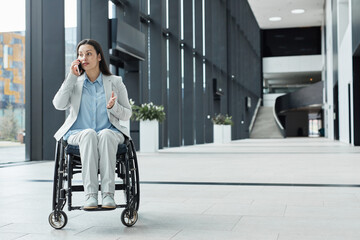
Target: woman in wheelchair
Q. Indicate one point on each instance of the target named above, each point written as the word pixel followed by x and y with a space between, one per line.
pixel 97 100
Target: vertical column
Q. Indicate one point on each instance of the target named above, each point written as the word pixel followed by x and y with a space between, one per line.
pixel 335 67
pixel 224 100
pixel 93 23
pixel 200 115
pixel 135 82
pixel 356 100
pixel 157 57
pixel 209 98
pixel 221 45
pixel 231 63
pixel 238 82
pixel 355 7
pixel 144 68
pixel 214 86
pixel 242 82
pixel 164 128
pixel 174 108
pixel 132 17
pixel 45 64
pixel 188 113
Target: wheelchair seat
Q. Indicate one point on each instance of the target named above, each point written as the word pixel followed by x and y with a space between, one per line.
pixel 74 150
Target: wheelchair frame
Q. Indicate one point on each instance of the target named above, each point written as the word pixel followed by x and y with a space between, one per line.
pixel 68 163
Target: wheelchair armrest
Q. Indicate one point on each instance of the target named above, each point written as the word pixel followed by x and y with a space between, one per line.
pixel 64 142
pixel 126 141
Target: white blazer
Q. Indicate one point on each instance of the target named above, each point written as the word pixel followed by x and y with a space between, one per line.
pixel 69 96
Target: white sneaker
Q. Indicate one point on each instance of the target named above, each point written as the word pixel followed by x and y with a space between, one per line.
pixel 108 200
pixel 91 201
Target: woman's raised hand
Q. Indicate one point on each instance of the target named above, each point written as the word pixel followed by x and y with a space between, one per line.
pixel 111 101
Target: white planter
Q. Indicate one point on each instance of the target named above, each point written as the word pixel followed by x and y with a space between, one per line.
pixel 217 133
pixel 222 133
pixel 226 133
pixel 149 136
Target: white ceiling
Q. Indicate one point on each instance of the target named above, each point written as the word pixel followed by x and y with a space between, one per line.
pixel 264 9
pixel 313 16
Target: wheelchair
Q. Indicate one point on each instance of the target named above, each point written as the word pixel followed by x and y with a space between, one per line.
pixel 68 163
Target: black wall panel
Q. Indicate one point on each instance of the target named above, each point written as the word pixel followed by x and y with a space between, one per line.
pixel 199 108
pixel 356 99
pixel 292 41
pixel 188 81
pixel 335 68
pixel 356 69
pixel 244 67
pixel 355 8
pixel 157 79
pixel 209 95
pixel 191 93
pixel 45 38
pixel 174 111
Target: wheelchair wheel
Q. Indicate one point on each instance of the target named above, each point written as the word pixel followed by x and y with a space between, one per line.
pixel 59 220
pixel 135 178
pixel 129 217
pixel 58 200
pixel 57 217
pixel 131 192
pixel 56 178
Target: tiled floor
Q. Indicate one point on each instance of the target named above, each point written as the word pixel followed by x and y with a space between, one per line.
pixel 283 189
pixel 11 152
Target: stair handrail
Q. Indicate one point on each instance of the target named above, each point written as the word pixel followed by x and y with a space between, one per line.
pixel 255 114
pixel 277 121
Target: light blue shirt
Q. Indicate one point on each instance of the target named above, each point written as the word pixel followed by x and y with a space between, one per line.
pixel 92 113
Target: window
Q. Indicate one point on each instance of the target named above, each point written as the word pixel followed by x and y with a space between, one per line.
pixel 12 79
pixel 70 33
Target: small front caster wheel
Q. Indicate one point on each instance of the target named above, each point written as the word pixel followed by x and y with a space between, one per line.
pixel 58 220
pixel 129 217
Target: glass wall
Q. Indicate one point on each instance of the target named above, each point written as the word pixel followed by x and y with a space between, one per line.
pixel 12 80
pixel 70 33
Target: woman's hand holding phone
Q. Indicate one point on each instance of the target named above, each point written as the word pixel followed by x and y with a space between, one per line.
pixel 76 67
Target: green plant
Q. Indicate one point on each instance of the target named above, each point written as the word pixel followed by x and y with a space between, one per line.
pixel 8 124
pixel 221 119
pixel 147 111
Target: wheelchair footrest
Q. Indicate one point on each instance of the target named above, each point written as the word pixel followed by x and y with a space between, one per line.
pixel 99 208
pixel 80 188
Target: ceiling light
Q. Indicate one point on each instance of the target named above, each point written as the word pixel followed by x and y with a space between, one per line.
pixel 275 19
pixel 297 11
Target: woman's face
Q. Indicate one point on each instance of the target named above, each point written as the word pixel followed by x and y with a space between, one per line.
pixel 88 57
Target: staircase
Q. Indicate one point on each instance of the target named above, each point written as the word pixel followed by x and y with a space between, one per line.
pixel 265 125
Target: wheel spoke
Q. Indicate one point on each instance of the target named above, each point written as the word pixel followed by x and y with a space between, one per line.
pixel 126 218
pixel 58 220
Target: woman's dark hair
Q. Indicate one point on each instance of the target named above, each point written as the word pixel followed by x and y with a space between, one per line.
pixel 102 64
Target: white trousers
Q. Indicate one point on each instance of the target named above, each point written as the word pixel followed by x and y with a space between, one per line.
pixel 97 151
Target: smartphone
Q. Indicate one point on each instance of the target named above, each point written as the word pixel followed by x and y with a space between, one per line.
pixel 79 68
